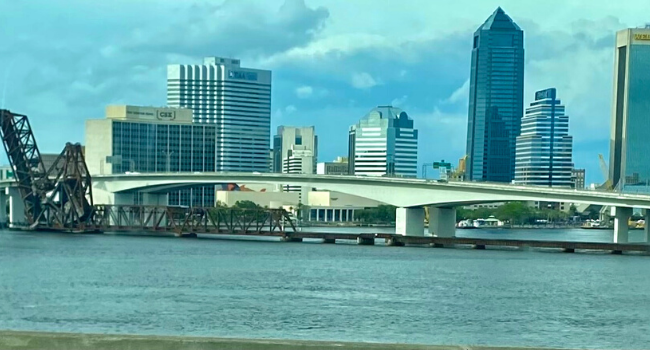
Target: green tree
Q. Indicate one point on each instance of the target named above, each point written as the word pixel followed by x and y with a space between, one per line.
pixel 246 205
pixel 516 213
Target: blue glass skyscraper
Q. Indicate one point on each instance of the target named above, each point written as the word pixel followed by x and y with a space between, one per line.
pixel 496 99
pixel 629 168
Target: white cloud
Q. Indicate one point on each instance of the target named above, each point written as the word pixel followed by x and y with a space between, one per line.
pixel 460 95
pixel 363 80
pixel 304 91
pixel 398 102
pixel 290 109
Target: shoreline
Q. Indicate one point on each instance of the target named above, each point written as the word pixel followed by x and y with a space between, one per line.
pixel 34 340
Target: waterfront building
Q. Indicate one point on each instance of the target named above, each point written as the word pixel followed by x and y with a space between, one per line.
pixel 295 151
pixel 338 167
pixel 629 169
pixel 495 99
pixel 235 100
pixel 384 143
pixel 151 140
pixel 544 147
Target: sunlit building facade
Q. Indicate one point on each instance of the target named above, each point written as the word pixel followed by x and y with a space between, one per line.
pixel 544 147
pixel 629 147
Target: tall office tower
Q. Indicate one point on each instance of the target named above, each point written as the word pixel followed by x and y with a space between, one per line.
pixel 495 99
pixel 385 144
pixel 295 151
pixel 236 100
pixel 152 140
pixel 629 168
pixel 544 147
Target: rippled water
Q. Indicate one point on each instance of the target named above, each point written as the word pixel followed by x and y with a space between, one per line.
pixel 268 289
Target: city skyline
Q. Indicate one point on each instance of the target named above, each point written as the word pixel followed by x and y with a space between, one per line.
pixel 312 86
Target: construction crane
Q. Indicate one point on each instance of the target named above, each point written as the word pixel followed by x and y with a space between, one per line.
pixel 607 185
pixel 56 198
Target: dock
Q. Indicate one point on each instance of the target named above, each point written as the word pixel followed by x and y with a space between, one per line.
pixel 445 242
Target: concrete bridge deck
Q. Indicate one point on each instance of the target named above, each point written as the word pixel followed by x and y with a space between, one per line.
pixel 439 242
pixel 15 340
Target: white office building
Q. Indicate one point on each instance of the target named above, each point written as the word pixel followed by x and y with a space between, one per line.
pixel 295 151
pixel 338 167
pixel 236 100
pixel 544 147
pixel 384 143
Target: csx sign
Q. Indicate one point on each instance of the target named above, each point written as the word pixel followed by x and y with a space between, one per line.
pixel 166 115
pixel 641 36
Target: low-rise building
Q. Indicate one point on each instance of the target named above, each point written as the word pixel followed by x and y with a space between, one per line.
pixel 578 178
pixel 337 167
pixel 150 140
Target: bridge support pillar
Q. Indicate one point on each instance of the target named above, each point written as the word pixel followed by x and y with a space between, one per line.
pixel 409 221
pixel 3 208
pixel 646 227
pixel 621 217
pixel 158 199
pixel 365 241
pixel 442 222
pixel 16 208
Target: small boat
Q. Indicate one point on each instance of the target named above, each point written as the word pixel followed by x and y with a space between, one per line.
pixel 466 225
pixel 594 225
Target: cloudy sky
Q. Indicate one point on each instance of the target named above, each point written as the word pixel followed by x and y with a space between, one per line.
pixel 63 61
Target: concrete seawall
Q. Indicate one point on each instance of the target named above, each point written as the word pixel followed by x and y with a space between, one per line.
pixel 16 340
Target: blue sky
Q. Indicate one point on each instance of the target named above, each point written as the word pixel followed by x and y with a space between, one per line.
pixel 63 61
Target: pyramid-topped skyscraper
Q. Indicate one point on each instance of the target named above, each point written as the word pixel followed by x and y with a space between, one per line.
pixel 495 99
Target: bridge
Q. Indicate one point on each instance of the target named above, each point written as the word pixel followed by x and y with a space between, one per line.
pixel 409 195
pixel 66 196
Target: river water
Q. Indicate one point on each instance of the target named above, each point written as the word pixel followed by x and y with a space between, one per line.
pixel 268 289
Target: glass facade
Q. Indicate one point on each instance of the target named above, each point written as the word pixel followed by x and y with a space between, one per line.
pixel 152 147
pixel 496 99
pixel 236 100
pixel 544 147
pixel 629 165
pixel 385 144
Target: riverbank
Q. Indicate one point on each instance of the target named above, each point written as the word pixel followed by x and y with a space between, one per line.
pixel 19 340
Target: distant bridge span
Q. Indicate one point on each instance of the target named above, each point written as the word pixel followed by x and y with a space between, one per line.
pixel 409 195
pixel 400 192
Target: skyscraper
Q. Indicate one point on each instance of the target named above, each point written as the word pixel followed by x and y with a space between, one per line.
pixel 384 143
pixel 544 147
pixel 629 168
pixel 236 100
pixel 495 99
pixel 295 151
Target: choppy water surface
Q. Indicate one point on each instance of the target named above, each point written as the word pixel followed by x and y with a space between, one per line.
pixel 268 289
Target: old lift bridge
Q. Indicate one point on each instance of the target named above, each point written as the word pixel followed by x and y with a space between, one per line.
pixel 60 198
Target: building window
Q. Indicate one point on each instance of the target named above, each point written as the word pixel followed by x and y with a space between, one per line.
pixel 298 140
